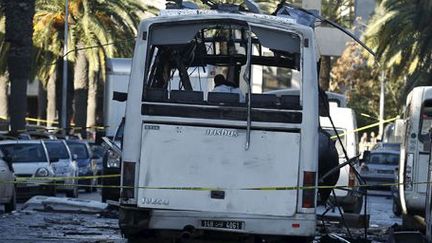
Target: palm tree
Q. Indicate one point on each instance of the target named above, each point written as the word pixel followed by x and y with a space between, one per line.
pixel 401 35
pixel 19 31
pixel 98 29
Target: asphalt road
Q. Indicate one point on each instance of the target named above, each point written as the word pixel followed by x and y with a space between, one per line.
pixel 36 226
pixel 42 226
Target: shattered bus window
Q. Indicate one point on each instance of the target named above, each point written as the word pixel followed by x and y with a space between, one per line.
pixel 184 69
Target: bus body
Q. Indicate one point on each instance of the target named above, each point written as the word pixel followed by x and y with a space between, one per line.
pixel 415 150
pixel 200 161
pixel 345 122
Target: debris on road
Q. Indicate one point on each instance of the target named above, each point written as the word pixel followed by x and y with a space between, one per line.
pixel 64 204
pixel 60 220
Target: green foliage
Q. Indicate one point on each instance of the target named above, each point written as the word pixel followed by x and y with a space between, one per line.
pixel 352 76
pixel 339 11
pixel 106 28
pixel 401 35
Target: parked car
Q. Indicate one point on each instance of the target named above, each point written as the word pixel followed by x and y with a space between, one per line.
pixel 98 154
pixel 7 190
pixel 85 161
pixel 378 167
pixel 30 159
pixel 64 166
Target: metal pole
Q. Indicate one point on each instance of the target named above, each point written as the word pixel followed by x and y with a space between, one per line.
pixel 381 106
pixel 65 72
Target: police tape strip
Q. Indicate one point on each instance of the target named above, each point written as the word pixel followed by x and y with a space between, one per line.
pixel 56 122
pixel 274 188
pixel 60 178
pixel 365 127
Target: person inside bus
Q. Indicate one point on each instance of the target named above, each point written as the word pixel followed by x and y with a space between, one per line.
pixel 222 85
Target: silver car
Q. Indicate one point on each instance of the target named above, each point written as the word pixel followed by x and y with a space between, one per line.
pixel 32 167
pixel 64 166
pixel 378 167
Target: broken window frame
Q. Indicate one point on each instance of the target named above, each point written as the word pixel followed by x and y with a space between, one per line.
pixel 270 114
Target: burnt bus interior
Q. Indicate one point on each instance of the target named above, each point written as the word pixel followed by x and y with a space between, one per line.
pixel 232 48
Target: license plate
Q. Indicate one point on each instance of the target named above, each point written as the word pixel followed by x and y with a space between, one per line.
pixel 221 224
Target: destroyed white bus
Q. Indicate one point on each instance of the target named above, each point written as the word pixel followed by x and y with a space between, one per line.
pixel 344 120
pixel 199 163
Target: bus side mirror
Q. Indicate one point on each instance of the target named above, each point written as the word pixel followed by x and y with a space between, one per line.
pixel 323 108
pixel 120 96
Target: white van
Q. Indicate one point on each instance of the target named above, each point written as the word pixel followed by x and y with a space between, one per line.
pixel 117 80
pixel 201 163
pixel 415 151
pixel 345 122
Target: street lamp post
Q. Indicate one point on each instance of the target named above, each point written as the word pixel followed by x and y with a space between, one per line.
pixel 381 105
pixel 65 72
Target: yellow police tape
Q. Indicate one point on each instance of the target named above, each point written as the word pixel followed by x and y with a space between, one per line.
pixel 365 127
pixel 56 122
pixel 59 178
pixel 42 181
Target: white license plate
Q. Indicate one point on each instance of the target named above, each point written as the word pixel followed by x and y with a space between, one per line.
pixel 222 224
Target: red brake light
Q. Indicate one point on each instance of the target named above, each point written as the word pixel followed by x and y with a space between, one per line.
pixel 308 193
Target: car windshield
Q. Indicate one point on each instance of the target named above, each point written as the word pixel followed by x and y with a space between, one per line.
pixel 24 152
pixel 79 149
pixel 384 159
pixel 57 150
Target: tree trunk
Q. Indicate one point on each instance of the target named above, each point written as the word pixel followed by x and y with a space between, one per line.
pixel 19 32
pixel 4 96
pixel 4 116
pixel 81 91
pixel 51 97
pixel 42 103
pixel 92 101
pixel 324 76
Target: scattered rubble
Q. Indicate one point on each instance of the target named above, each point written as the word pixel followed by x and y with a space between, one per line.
pixel 50 219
